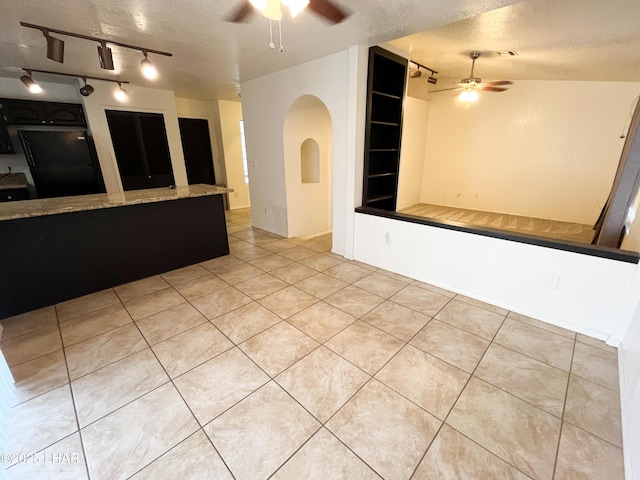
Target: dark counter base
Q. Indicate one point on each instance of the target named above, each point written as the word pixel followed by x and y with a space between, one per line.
pixel 50 259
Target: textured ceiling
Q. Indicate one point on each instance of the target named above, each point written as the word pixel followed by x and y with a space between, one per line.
pixel 565 39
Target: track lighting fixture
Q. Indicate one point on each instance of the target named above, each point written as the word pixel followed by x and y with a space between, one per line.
pixel 148 69
pixel 29 83
pixel 87 89
pixel 417 73
pixel 432 80
pixel 121 94
pixel 55 49
pixel 105 56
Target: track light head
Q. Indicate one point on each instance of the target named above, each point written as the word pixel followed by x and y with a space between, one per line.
pixel 148 69
pixel 30 84
pixel 87 89
pixel 105 56
pixel 55 48
pixel 415 73
pixel 121 94
pixel 432 80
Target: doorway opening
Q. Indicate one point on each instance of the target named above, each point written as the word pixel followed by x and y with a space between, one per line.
pixel 196 145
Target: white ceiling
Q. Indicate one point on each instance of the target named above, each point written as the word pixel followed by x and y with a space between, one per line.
pixel 568 39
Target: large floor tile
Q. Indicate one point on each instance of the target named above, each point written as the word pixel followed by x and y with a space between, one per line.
pixel 191 348
pixel 540 384
pixel 96 352
pixel 452 456
pixel 543 325
pixel 86 304
pixel 278 347
pixel 261 286
pixel 399 321
pixel 124 380
pixel 246 321
pixel 473 319
pixel 457 347
pixel 325 457
pixel 481 304
pixel 185 274
pixel 193 459
pixel 424 379
pixel 173 321
pixel 123 442
pixel 321 262
pixel 433 288
pixel 585 456
pixel 251 253
pixel 198 287
pixel 550 348
pixel 39 376
pixel 141 287
pixel 41 421
pixel 421 300
pixel 514 430
pixel 64 460
pixel 594 408
pixel 94 323
pixel 222 263
pixel 320 285
pixel 365 346
pixel 259 434
pixel 28 346
pixel 594 342
pixel 220 302
pixel 270 262
pixel 278 246
pixel 322 382
pixel 220 383
pixel 288 301
pixel 151 303
pixel 596 365
pixel 321 321
pixel 385 430
pixel 294 273
pixel 298 253
pixel 347 272
pixel 354 301
pixel 380 284
pixel 29 322
pixel 238 273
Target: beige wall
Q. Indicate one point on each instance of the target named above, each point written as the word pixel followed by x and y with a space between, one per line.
pixel 230 116
pixel 140 100
pixel 308 204
pixel 412 152
pixel 545 149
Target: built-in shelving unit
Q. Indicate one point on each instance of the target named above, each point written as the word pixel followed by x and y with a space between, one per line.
pixel 385 96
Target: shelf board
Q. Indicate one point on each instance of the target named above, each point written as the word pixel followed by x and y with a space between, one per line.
pixel 377 175
pixel 391 124
pixel 379 198
pixel 387 95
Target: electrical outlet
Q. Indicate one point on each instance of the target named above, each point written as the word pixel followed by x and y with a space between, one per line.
pixel 552 281
pixel 387 239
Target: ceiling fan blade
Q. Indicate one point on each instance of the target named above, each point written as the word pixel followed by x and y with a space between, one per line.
pixel 326 9
pixel 446 89
pixel 500 83
pixel 242 13
pixel 490 88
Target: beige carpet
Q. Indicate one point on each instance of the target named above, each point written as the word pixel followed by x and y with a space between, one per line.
pixel 574 232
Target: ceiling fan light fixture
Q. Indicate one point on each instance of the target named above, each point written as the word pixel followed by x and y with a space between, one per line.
pixel 468 96
pixel 295 6
pixel 269 8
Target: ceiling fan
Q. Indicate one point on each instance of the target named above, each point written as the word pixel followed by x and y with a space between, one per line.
pixel 471 84
pixel 272 9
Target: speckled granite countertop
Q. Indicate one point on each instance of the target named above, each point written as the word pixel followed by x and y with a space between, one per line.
pixel 9 181
pixel 53 206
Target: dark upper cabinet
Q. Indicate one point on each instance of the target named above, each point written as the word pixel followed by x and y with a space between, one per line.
pixel 28 112
pixel 383 128
pixel 5 141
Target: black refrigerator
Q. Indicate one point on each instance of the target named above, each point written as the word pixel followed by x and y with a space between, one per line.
pixel 62 163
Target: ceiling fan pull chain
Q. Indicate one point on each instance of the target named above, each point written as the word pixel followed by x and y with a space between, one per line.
pixel 271 44
pixel 280 30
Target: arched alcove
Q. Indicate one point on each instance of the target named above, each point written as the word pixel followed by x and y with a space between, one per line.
pixel 307 139
pixel 310 161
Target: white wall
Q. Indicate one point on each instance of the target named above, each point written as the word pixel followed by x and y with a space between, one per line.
pixel 140 100
pixel 629 361
pixel 336 80
pixel 545 149
pixel 308 204
pixel 590 294
pixel 230 116
pixel 412 151
pixel 206 110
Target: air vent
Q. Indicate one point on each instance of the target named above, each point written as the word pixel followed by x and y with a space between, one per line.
pixel 507 53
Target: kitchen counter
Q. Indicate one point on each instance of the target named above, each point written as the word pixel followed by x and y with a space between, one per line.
pixel 11 181
pixel 80 203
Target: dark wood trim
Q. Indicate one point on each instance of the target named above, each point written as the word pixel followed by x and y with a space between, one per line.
pixel 567 246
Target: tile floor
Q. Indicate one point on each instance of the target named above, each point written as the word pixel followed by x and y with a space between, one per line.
pixel 285 361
